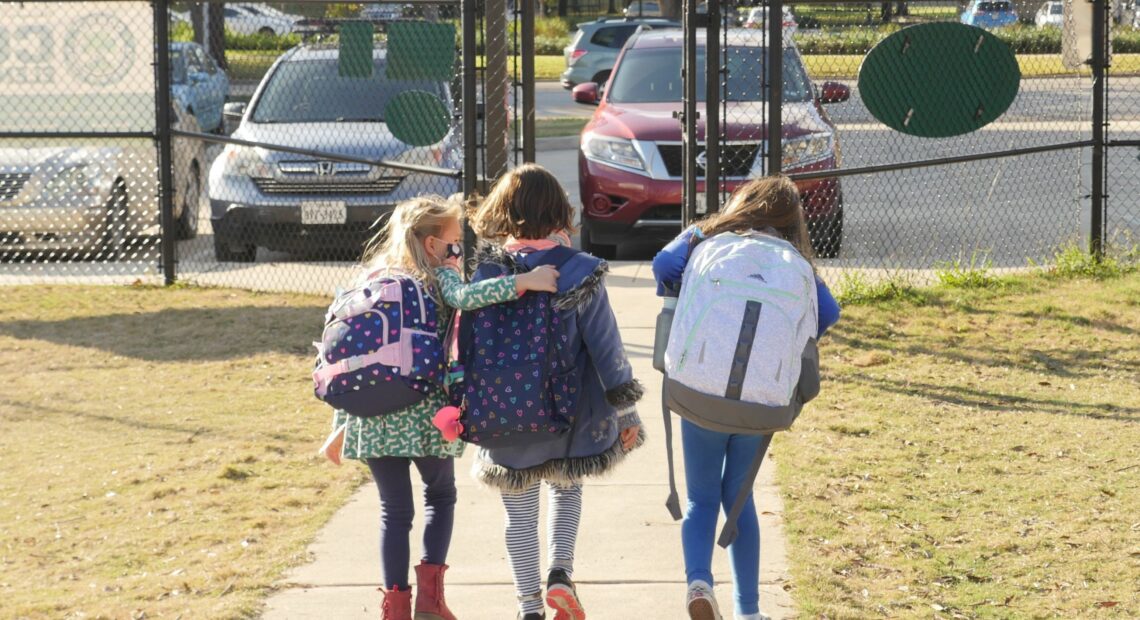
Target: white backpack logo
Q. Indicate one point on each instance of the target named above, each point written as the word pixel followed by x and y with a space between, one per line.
pixel 741 355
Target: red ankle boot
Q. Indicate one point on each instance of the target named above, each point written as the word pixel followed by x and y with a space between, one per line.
pixel 430 604
pixel 397 604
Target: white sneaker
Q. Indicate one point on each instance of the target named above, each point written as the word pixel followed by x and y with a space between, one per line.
pixel 701 602
pixel 756 616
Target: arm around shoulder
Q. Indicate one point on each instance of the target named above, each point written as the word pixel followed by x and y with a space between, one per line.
pixel 469 296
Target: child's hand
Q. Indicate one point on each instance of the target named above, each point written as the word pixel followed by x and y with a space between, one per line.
pixel 629 437
pixel 542 278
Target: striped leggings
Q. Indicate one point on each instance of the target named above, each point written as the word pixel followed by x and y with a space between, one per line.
pixel 522 538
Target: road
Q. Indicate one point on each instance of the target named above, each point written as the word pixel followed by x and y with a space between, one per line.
pixel 1006 210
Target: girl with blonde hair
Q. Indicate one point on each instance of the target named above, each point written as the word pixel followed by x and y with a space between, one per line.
pixel 422 240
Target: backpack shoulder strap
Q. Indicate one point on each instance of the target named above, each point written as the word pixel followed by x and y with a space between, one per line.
pixel 558 256
pixel 672 503
pixel 728 532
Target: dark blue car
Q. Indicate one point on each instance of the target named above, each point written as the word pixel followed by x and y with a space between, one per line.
pixel 198 84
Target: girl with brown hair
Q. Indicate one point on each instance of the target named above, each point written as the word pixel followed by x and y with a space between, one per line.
pixel 717 464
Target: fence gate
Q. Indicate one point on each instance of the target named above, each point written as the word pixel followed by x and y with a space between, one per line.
pixel 877 198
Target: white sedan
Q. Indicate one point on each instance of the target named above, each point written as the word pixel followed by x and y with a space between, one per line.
pixel 1050 14
pixel 250 19
pixel 244 20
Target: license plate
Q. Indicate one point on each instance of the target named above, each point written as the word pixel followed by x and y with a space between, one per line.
pixel 702 203
pixel 325 212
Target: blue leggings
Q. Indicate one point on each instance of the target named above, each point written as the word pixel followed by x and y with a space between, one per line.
pixel 394 481
pixel 715 467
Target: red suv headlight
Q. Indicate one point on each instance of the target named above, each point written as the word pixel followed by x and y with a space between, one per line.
pixel 612 151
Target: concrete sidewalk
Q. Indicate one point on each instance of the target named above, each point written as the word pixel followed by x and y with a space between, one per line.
pixel 628 563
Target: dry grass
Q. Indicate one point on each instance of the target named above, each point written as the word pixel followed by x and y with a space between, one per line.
pixel 158 450
pixel 974 454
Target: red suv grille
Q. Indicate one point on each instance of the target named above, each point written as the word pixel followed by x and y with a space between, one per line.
pixel 736 159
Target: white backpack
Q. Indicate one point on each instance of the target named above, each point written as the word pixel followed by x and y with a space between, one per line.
pixel 741 355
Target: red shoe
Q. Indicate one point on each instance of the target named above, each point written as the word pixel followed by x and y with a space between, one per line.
pixel 562 597
pixel 430 604
pixel 397 605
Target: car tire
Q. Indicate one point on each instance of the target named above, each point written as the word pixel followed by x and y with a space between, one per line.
pixel 113 244
pixel 227 251
pixel 607 252
pixel 267 31
pixel 191 199
pixel 827 235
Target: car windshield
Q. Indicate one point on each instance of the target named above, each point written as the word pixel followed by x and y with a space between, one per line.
pixel 653 75
pixel 1056 9
pixel 312 91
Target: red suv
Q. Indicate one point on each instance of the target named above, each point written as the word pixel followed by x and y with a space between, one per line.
pixel 630 164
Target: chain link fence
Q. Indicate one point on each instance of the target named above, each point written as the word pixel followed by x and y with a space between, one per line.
pixel 953 176
pixel 293 128
pixel 78 164
pixel 1122 217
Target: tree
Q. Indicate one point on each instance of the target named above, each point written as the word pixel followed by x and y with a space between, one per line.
pixel 209 21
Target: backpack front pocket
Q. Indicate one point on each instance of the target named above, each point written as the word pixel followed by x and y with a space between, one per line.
pixel 512 406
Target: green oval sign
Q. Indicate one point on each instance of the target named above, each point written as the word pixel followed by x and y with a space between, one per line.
pixel 417 118
pixel 939 80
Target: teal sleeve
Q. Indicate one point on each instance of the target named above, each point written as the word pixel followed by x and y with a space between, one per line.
pixel 464 296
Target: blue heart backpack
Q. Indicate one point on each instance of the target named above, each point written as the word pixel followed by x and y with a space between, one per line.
pixel 518 387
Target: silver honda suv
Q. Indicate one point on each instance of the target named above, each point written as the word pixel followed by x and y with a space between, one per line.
pixel 260 197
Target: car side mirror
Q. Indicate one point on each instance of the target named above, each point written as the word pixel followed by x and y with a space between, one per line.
pixel 834 92
pixel 586 93
pixel 234 110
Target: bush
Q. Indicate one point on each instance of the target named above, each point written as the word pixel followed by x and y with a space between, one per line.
pixel 258 41
pixel 1022 39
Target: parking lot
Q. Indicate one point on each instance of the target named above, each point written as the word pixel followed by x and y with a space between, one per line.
pixel 1009 209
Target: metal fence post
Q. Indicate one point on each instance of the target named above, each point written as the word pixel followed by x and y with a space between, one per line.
pixel 163 138
pixel 689 117
pixel 1100 36
pixel 496 83
pixel 713 70
pixel 775 79
pixel 528 102
pixel 470 113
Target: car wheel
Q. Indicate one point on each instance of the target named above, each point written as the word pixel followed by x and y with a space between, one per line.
pixel 827 235
pixel 601 78
pixel 113 245
pixel 267 31
pixel 607 252
pixel 191 197
pixel 227 251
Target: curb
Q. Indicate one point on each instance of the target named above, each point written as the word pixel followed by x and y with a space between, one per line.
pixel 561 143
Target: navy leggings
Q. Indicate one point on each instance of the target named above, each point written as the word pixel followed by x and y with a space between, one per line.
pixel 393 478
